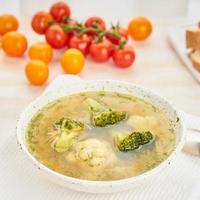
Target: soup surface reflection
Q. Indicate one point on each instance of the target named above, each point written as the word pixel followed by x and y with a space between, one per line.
pixel 73 139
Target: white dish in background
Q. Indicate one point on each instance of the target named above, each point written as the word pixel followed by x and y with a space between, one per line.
pixel 177 39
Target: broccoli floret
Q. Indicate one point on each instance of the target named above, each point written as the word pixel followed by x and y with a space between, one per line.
pixel 68 125
pixel 67 133
pixel 65 141
pixel 102 115
pixel 111 117
pixel 133 140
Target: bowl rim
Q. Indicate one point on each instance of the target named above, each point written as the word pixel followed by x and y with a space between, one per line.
pixel 111 183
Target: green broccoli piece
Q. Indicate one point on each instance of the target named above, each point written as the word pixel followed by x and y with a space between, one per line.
pixel 65 141
pixel 68 132
pixel 102 115
pixel 133 140
pixel 68 125
pixel 111 117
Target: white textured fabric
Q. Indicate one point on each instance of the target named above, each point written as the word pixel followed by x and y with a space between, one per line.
pixel 20 180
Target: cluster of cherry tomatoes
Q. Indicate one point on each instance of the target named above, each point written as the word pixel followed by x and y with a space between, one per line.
pixel 90 38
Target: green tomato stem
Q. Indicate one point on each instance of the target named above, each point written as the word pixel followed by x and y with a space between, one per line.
pixel 81 30
pixel 122 41
pixel 86 30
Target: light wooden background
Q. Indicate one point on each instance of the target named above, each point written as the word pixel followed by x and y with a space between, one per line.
pixel 157 67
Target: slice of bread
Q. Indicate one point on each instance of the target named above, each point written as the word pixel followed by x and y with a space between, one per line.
pixel 193 38
pixel 195 58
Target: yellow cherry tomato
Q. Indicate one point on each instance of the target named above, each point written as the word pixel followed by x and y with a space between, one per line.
pixel 41 51
pixel 8 23
pixel 14 44
pixel 140 28
pixel 72 61
pixel 37 72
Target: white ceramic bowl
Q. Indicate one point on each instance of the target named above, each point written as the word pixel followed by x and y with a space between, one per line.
pixel 67 85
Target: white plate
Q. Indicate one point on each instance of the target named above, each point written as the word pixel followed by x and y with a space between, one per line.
pixel 177 38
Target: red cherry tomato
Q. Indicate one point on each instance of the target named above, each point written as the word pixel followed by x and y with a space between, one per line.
pixel 101 52
pixel 56 37
pixel 120 31
pixel 81 43
pixel 60 11
pixel 95 22
pixel 125 57
pixel 40 22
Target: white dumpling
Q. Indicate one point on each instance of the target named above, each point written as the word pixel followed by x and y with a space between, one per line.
pixel 142 123
pixel 92 153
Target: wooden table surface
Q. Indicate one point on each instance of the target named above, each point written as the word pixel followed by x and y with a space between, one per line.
pixel 157 67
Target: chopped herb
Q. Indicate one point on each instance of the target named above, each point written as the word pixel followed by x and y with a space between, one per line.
pixel 154 108
pixel 171 130
pixel 67 124
pixel 101 93
pixel 124 96
pixel 37 117
pixel 82 94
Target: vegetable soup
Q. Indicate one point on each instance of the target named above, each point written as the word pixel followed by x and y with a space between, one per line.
pixel 100 136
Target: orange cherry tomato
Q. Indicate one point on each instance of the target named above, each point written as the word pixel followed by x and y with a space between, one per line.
pixel 8 23
pixel 37 72
pixel 72 61
pixel 140 28
pixel 41 51
pixel 14 44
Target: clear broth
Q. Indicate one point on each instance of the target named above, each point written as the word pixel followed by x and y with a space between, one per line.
pixel 126 164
